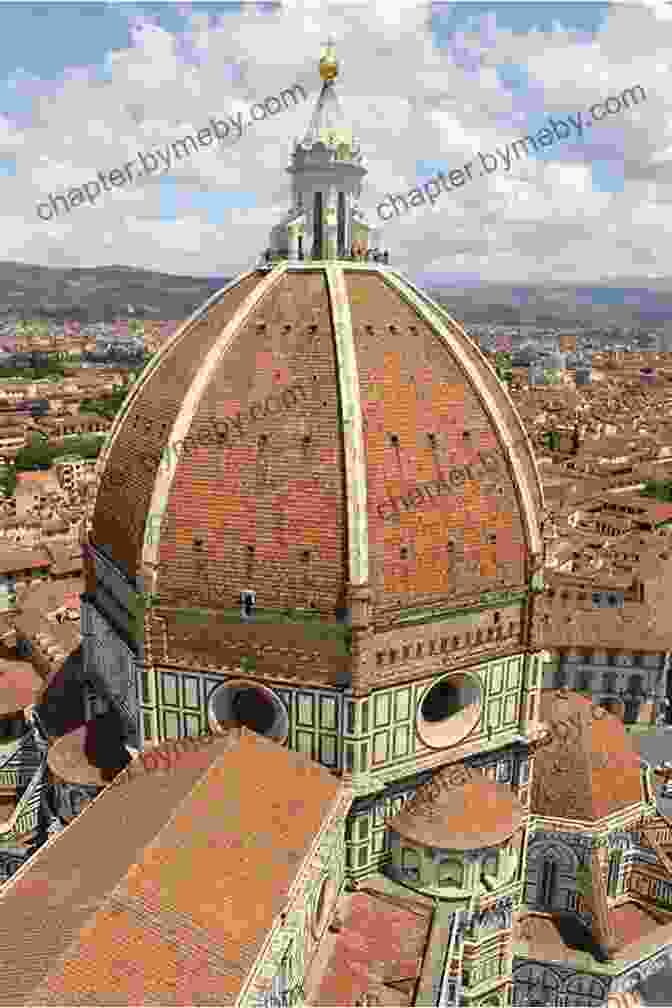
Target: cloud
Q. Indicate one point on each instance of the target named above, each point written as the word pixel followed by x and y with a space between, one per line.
pixel 414 99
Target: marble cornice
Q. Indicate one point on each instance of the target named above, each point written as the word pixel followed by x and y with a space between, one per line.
pixel 408 675
pixel 397 619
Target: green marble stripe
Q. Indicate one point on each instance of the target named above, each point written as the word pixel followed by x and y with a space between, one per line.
pixel 430 615
pixel 189 407
pixel 442 322
pixel 355 469
pixel 158 359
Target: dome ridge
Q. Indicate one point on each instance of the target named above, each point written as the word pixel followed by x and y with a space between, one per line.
pixel 188 408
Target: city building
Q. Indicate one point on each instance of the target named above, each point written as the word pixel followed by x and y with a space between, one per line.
pixel 70 469
pixel 536 372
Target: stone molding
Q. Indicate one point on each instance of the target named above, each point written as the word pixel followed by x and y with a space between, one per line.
pixel 635 974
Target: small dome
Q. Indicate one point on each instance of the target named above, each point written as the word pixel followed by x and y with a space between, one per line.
pixel 459 809
pixel 91 754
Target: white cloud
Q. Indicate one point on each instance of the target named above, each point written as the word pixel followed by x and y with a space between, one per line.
pixel 409 101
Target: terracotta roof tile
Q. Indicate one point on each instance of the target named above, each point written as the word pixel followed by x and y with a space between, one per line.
pixel 139 961
pixel 559 940
pixel 33 481
pixel 567 941
pixel 631 627
pixel 20 685
pixel 91 754
pixel 459 809
pixel 590 767
pixel 274 478
pixel 49 595
pixel 381 942
pixel 632 922
pixel 202 860
pixel 17 558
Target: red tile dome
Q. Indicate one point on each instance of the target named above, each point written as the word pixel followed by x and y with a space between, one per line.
pixel 459 809
pixel 313 430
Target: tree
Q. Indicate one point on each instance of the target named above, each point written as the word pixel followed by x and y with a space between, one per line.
pixel 40 454
pixel 661 490
pixel 8 481
pixel 552 440
pixel 35 455
pixel 108 406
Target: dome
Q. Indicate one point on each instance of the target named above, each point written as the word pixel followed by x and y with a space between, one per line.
pixel 459 809
pixel 590 768
pixel 91 754
pixel 313 427
pixel 320 441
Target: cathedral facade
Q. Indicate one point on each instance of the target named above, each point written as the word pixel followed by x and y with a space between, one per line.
pixel 318 516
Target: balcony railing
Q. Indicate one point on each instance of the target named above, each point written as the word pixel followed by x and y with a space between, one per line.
pixel 382 259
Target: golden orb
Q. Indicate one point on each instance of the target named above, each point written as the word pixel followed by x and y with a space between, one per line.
pixel 328 68
pixel 329 63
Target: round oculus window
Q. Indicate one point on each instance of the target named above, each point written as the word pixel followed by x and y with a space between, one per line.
pixel 258 708
pixel 449 710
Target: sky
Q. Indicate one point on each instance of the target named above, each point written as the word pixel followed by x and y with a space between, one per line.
pixel 88 87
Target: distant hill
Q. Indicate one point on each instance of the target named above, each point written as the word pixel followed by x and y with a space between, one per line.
pixel 100 294
pixel 621 302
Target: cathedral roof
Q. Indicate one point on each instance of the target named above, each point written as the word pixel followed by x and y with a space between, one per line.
pixel 311 427
pixel 459 809
pixel 200 859
pixel 590 768
pixel 568 941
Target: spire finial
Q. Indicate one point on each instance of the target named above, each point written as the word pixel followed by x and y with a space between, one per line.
pixel 328 62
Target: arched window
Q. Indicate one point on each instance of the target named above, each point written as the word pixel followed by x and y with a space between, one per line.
pixel 636 684
pixel 547 882
pixel 614 868
pixel 491 863
pixel 527 985
pixel 550 987
pixel 410 863
pixel 451 872
pixel 609 682
pixel 585 991
pixel 341 223
pixel 318 226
